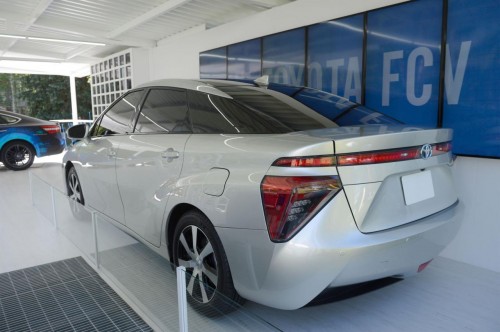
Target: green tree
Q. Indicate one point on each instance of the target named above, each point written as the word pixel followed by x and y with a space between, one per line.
pixel 44 96
pixel 9 98
pixel 47 96
pixel 83 98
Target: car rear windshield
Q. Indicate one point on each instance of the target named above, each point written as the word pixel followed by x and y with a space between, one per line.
pixel 253 110
pixel 340 110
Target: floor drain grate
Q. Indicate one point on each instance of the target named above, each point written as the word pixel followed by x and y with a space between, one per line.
pixel 63 296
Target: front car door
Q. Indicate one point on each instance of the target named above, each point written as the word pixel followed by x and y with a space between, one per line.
pixel 149 161
pixel 97 156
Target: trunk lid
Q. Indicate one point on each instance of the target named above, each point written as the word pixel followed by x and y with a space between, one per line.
pixel 384 195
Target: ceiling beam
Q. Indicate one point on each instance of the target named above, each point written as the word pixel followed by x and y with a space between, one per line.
pixel 268 4
pixel 126 42
pixel 38 11
pixel 35 14
pixel 153 13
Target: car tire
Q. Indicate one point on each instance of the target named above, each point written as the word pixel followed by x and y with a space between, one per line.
pixel 209 283
pixel 18 155
pixel 75 194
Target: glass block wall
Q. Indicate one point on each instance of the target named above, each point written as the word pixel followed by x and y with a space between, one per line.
pixel 110 79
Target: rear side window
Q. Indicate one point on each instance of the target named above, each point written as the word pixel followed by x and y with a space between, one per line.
pixel 214 114
pixel 120 117
pixel 164 111
pixel 8 120
pixel 277 110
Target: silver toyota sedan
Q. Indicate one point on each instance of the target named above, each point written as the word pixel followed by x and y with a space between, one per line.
pixel 266 195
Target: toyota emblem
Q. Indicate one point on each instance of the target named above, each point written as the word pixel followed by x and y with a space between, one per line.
pixel 426 151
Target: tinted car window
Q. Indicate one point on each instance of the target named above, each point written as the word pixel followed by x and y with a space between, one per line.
pixel 164 111
pixel 5 119
pixel 120 117
pixel 361 115
pixel 214 114
pixel 340 110
pixel 252 111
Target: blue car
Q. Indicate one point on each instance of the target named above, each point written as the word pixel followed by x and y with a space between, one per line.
pixel 23 137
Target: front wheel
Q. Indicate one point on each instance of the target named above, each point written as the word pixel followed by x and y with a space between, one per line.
pixel 75 195
pixel 197 247
pixel 18 155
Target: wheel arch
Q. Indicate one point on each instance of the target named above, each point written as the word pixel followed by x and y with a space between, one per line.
pixel 172 221
pixel 33 146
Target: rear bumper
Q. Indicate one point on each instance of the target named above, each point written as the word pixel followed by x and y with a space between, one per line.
pixel 50 145
pixel 330 251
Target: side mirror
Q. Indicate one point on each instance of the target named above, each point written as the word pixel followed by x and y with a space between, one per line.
pixel 77 132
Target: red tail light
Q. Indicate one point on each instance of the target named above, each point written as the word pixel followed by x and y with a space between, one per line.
pixel 362 158
pixel 52 129
pixel 388 156
pixel 290 202
pixel 379 157
pixel 314 161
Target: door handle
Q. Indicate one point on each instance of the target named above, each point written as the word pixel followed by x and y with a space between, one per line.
pixel 170 154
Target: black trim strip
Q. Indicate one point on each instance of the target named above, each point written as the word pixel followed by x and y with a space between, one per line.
pixel 364 59
pixel 442 64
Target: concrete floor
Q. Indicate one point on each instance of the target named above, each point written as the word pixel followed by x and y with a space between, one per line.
pixel 447 296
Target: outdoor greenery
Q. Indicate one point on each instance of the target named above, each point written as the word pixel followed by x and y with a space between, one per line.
pixel 44 96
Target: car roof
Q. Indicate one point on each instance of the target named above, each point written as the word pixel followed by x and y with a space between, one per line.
pixel 25 119
pixel 203 85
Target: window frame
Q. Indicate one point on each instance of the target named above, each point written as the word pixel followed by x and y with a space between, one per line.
pixel 97 123
pixel 17 120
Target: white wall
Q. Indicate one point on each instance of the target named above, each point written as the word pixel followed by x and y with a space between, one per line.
pixel 477 180
pixel 478 240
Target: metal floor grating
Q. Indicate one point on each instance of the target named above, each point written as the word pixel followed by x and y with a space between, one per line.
pixel 63 296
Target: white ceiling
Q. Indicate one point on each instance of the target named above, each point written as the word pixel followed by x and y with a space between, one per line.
pixel 119 24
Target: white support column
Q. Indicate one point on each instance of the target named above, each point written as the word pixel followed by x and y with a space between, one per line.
pixel 74 110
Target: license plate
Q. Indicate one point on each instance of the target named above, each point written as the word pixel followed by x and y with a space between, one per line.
pixel 417 187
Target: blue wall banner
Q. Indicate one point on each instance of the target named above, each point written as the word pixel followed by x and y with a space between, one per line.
pixel 213 63
pixel 243 60
pixel 472 85
pixel 284 57
pixel 402 73
pixel 335 57
pixel 403 61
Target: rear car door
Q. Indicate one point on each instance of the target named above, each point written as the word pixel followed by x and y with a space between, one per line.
pixel 98 156
pixel 149 161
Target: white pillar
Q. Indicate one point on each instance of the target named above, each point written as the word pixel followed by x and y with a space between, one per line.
pixel 74 110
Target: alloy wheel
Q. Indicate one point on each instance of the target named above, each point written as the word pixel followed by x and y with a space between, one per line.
pixel 18 156
pixel 196 254
pixel 75 191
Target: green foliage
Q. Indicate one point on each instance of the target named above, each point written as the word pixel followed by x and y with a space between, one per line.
pixel 47 96
pixel 84 98
pixel 44 96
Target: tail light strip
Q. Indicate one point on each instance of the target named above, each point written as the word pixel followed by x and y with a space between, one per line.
pixel 51 129
pixel 363 158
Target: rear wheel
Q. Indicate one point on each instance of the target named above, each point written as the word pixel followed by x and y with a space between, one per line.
pixel 197 247
pixel 18 155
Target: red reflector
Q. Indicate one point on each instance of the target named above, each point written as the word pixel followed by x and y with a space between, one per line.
pixel 51 129
pixel 423 266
